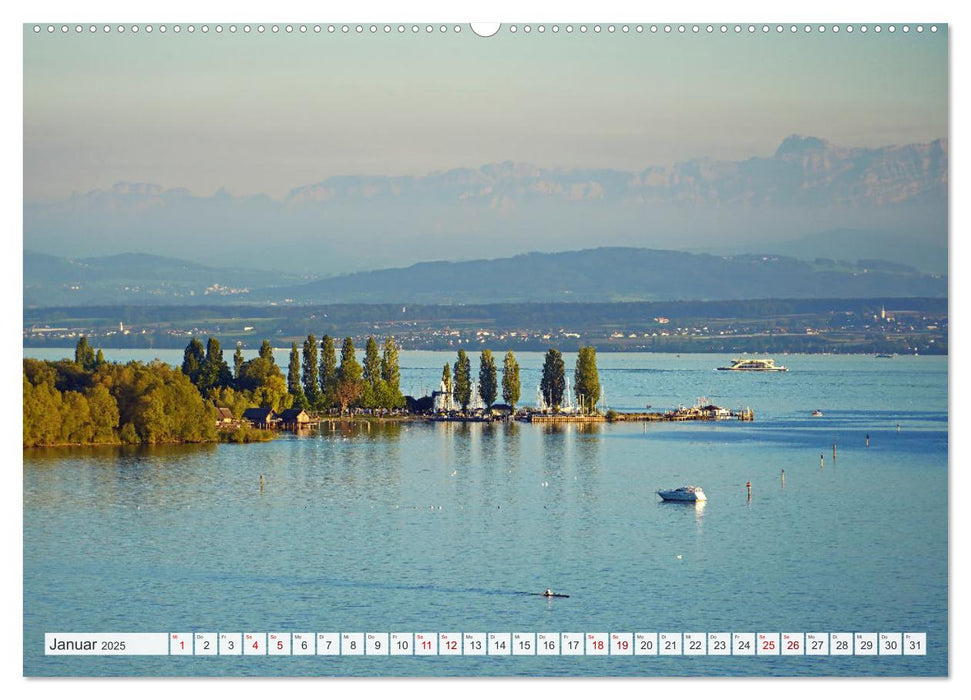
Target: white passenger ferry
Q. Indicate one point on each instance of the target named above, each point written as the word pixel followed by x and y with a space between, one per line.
pixel 755 365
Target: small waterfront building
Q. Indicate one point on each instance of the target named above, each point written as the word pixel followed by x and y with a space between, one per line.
pixel 223 415
pixel 294 418
pixel 260 417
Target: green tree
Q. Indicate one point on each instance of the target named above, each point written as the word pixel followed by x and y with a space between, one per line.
pixel 488 386
pixel 104 414
pixel 264 382
pixel 311 376
pixel 390 372
pixel 238 360
pixel 99 359
pixel 349 376
pixel 510 381
pixel 328 371
pixel 213 371
pixel 586 382
pixel 371 375
pixel 293 371
pixel 266 351
pixel 552 385
pixel 372 361
pixel 447 379
pixel 462 379
pixel 84 354
pixel 192 360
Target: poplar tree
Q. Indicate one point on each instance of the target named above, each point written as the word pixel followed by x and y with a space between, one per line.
pixel 586 379
pixel 510 381
pixel 311 377
pixel 328 370
pixel 348 376
pixel 293 372
pixel 463 380
pixel 372 362
pixel 553 383
pixel 488 386
pixel 447 381
pixel 238 360
pixel 390 372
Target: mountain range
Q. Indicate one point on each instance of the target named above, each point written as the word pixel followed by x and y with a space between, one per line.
pixel 361 222
pixel 595 275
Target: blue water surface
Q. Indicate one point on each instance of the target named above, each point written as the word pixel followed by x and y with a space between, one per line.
pixel 427 527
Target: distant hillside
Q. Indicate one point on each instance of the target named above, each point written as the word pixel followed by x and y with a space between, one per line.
pixel 616 274
pixel 134 277
pixel 926 254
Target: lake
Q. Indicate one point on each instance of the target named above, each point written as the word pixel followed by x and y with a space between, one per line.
pixel 435 527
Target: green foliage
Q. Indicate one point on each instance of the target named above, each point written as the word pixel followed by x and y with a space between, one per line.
pixel 192 360
pixel 328 371
pixel 586 382
pixel 311 376
pixel 266 351
pixel 213 371
pixel 293 371
pixel 390 372
pixel 71 376
pixel 372 362
pixel 553 382
pixel 447 379
pixel 99 359
pixel 235 400
pixel 349 376
pixel 39 372
pixel 237 360
pixel 127 434
pixel 84 354
pixel 265 383
pixel 462 380
pixel 611 415
pixel 151 402
pixel 510 381
pixel 488 385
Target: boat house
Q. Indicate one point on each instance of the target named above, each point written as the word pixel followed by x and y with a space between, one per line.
pixel 261 417
pixel 294 418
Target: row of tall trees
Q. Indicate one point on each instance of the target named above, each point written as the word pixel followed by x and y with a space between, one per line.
pixel 457 380
pixel 586 379
pixel 319 382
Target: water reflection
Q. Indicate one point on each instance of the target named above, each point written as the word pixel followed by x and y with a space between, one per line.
pixel 674 510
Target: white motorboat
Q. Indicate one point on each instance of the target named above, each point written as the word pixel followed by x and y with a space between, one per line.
pixel 685 493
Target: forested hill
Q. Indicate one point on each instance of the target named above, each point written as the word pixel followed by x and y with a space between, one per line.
pixel 596 275
pixel 616 274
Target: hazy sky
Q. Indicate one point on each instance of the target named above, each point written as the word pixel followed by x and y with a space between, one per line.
pixel 266 113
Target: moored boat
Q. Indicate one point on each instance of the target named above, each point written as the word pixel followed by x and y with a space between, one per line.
pixel 754 365
pixel 684 493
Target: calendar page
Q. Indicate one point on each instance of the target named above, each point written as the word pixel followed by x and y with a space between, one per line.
pixel 518 349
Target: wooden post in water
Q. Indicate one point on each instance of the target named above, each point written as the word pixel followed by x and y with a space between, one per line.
pixel 868 439
pixel 783 478
pixel 748 487
pixel 820 460
pixel 262 484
